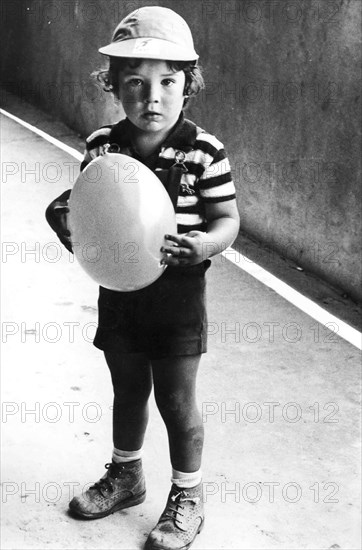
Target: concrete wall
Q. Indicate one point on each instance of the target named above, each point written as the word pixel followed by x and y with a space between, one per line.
pixel 283 94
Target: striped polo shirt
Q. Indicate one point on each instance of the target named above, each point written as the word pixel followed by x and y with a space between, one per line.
pixel 206 176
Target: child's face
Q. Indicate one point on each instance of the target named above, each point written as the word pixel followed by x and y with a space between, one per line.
pixel 152 95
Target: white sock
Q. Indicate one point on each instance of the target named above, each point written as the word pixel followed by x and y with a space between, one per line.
pixel 186 480
pixel 119 456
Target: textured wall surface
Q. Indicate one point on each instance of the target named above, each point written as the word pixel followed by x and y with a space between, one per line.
pixel 283 94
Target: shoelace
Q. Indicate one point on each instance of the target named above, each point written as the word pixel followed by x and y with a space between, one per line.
pixel 173 510
pixel 105 483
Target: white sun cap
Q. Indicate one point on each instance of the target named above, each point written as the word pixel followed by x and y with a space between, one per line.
pixel 152 32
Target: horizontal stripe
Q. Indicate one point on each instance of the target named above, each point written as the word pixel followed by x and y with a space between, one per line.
pixel 206 138
pixel 188 209
pixel 219 199
pixel 219 155
pixel 216 169
pixel 188 219
pixel 219 191
pixel 194 168
pixel 188 200
pixel 204 146
pixel 214 182
pixel 196 156
pixel 187 228
pixel 202 158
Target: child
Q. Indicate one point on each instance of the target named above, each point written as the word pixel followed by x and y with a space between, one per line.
pixel 156 335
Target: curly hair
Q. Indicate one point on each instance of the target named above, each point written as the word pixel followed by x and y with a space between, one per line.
pixel 194 81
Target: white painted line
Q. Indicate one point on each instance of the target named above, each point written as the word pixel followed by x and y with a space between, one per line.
pixel 70 150
pixel 303 303
pixel 306 305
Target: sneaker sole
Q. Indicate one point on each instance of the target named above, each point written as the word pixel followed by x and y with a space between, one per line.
pixel 127 503
pixel 150 546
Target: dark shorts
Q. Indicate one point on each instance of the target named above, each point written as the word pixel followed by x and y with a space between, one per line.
pixel 167 318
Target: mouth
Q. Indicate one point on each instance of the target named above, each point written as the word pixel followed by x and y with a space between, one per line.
pixel 151 114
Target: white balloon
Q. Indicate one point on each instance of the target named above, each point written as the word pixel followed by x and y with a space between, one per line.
pixel 119 213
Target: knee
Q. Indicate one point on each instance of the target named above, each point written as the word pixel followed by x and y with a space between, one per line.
pixel 168 403
pixel 132 394
pixel 176 408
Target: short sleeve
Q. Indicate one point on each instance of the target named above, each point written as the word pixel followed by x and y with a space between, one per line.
pixel 215 184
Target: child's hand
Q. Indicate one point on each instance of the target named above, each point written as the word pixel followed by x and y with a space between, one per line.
pixel 189 249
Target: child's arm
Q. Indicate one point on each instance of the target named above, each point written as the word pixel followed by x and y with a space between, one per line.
pixel 56 216
pixel 196 246
pixel 57 212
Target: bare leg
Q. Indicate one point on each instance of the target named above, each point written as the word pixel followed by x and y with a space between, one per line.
pixel 175 393
pixel 132 383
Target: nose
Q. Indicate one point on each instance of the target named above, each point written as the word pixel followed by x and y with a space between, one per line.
pixel 152 93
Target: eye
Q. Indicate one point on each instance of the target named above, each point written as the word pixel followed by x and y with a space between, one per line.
pixel 167 82
pixel 134 82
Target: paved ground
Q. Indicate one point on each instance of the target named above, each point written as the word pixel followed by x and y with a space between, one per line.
pixel 279 395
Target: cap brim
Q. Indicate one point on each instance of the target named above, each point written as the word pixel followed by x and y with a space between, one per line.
pixel 149 48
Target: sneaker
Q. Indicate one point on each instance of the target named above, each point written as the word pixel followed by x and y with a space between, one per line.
pixel 180 522
pixel 122 486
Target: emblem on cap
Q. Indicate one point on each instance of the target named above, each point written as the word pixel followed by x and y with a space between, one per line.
pixel 145 45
